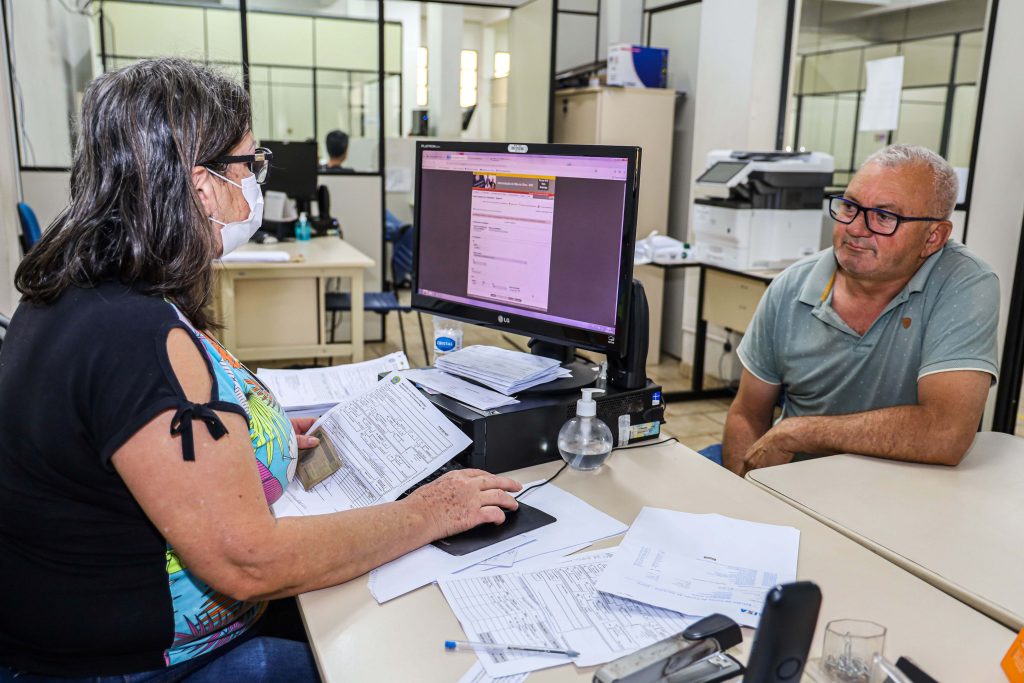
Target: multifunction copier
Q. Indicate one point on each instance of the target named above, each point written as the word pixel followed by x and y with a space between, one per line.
pixel 760 210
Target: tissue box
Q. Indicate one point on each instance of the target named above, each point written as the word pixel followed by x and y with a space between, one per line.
pixel 636 66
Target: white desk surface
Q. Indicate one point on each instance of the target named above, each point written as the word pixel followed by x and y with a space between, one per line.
pixel 355 639
pixel 319 252
pixel 958 528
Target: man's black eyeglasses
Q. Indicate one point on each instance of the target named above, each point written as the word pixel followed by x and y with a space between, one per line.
pixel 259 162
pixel 879 221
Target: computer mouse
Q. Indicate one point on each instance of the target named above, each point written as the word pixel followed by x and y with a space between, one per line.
pixel 269 239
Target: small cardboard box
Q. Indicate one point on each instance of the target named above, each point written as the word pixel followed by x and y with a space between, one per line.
pixel 636 66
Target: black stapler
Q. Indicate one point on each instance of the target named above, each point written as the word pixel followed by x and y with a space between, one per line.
pixel 697 655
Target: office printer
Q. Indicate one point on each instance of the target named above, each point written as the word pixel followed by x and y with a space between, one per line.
pixel 760 209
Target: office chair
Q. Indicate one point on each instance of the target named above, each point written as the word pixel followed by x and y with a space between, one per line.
pixel 30 232
pixel 386 301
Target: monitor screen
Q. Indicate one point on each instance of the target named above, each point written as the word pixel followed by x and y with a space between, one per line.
pixel 722 171
pixel 293 169
pixel 538 242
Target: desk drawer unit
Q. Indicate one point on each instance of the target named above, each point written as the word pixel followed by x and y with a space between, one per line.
pixel 730 300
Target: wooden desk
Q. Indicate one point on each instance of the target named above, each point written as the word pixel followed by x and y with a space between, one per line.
pixel 276 310
pixel 727 298
pixel 958 528
pixel 355 639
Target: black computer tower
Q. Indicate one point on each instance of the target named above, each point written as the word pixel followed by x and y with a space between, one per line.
pixel 526 433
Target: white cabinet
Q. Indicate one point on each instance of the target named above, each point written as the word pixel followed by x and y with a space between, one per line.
pixel 641 117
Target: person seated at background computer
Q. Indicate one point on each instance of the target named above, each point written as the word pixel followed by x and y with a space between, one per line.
pixel 884 344
pixel 336 143
pixel 138 457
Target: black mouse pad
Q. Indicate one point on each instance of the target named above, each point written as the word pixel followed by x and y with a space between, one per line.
pixel 526 518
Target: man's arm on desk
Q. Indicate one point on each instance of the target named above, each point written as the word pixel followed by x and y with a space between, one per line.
pixel 938 430
pixel 750 418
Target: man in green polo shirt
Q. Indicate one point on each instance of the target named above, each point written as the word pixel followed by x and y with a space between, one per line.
pixel 883 345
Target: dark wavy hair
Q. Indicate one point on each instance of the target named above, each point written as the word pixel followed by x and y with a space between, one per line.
pixel 134 215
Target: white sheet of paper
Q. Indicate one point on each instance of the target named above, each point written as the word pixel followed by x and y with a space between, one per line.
pixel 962 175
pixel 389 438
pixel 477 674
pixel 459 389
pixel 398 179
pixel 556 606
pixel 425 565
pixel 301 389
pixel 577 523
pixel 881 110
pixel 700 564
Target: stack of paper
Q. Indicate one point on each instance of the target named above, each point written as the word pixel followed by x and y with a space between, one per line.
pixel 503 370
pixel 466 392
pixel 700 564
pixel 313 391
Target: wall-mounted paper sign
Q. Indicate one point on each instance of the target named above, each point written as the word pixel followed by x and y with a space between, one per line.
pixel 882 97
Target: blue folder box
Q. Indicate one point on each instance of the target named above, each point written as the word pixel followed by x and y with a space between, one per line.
pixel 636 66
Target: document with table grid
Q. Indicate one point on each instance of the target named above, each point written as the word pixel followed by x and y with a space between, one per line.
pixel 388 438
pixel 556 606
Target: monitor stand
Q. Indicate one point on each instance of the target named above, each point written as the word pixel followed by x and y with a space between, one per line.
pixel 584 374
pixel 627 371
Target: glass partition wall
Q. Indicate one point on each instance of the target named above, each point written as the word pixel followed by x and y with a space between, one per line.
pixel 308 74
pixel 942 45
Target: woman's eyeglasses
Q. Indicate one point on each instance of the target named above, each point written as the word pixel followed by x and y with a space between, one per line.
pixel 258 162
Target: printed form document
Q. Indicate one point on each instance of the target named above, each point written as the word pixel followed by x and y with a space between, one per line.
pixel 477 674
pixel 700 564
pixel 555 606
pixel 388 439
pixel 316 390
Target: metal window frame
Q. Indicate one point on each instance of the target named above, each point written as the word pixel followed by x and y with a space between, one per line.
pixel 951 84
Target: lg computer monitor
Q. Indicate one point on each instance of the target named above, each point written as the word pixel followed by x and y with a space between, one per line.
pixel 293 169
pixel 533 239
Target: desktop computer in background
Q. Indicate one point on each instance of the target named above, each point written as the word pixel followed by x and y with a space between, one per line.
pixel 293 171
pixel 538 240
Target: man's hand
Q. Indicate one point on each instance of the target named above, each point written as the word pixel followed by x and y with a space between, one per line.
pixel 462 499
pixel 301 425
pixel 774 448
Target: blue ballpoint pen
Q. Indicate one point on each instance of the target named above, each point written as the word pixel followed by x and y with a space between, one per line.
pixel 470 645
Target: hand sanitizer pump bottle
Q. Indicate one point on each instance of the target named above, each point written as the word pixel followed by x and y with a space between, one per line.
pixel 585 442
pixel 303 230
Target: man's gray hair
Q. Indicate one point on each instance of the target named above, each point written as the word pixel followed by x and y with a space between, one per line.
pixel 945 184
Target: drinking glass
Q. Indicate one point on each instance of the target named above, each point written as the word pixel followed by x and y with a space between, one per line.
pixel 850 647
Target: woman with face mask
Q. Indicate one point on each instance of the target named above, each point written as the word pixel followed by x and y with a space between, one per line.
pixel 138 457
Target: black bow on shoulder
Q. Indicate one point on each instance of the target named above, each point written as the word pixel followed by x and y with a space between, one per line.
pixel 181 424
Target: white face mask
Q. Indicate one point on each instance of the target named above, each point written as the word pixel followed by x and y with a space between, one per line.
pixel 234 235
